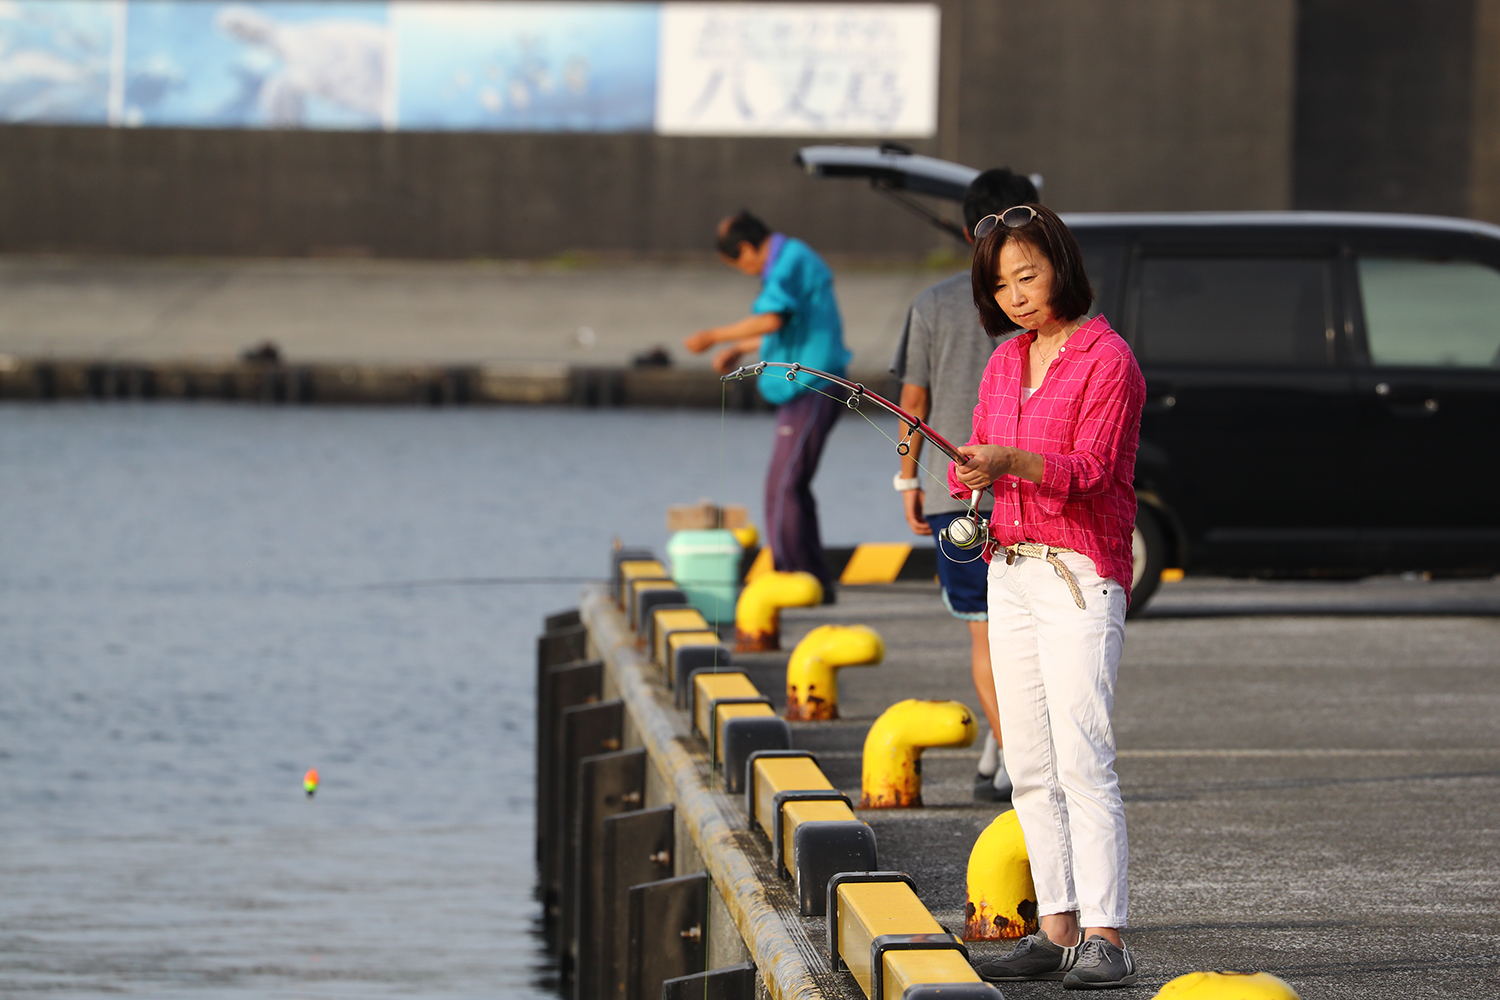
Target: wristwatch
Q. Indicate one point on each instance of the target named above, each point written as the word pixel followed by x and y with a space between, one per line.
pixel 906 485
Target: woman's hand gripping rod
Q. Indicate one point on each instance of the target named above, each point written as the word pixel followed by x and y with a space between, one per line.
pixel 965 532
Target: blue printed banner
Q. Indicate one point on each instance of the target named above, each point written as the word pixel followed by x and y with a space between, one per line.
pixel 57 60
pixel 467 65
pixel 257 65
pixel 534 67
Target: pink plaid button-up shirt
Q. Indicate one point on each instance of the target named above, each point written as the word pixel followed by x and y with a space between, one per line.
pixel 1085 422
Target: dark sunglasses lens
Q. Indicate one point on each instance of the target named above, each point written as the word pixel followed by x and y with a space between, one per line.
pixel 1011 218
pixel 1015 218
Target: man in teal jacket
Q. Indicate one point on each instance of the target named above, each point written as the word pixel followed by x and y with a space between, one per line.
pixel 794 319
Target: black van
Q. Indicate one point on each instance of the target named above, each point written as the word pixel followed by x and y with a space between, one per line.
pixel 1323 389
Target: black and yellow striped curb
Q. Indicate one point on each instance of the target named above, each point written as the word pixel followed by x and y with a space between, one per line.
pixel 868 563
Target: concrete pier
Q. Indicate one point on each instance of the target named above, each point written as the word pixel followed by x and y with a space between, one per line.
pixel 1311 775
pixel 562 331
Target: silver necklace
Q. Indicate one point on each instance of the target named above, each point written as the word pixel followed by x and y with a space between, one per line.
pixel 1049 358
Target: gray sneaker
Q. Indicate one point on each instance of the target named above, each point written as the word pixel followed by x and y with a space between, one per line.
pixel 1033 957
pixel 1100 966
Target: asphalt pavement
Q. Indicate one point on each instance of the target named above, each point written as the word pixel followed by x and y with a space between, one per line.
pixel 1311 774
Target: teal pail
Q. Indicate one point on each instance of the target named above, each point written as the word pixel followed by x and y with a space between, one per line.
pixel 706 566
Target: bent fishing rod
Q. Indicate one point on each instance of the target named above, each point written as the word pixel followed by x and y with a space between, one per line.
pixel 974 530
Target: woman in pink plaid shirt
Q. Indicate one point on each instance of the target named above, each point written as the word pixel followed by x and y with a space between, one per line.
pixel 1055 434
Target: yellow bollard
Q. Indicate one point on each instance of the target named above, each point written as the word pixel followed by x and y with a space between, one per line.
pixel 757 616
pixel 1227 986
pixel 1002 898
pixel 893 749
pixel 761 565
pixel 812 686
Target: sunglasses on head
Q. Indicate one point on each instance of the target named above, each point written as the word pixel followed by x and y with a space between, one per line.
pixel 1011 218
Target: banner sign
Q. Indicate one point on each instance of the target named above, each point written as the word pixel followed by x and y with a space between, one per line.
pixel 284 65
pixel 797 69
pixel 468 65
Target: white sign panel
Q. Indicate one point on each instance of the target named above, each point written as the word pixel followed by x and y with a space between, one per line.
pixel 797 69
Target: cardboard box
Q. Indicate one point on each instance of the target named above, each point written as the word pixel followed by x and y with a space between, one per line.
pixel 705 515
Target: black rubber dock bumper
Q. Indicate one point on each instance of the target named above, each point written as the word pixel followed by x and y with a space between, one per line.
pixel 676 883
pixel 823 849
pixel 749 734
pixel 735 982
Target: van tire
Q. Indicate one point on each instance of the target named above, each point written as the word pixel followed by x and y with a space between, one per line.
pixel 1150 549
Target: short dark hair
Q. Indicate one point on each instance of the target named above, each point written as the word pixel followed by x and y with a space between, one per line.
pixel 995 190
pixel 1046 234
pixel 743 228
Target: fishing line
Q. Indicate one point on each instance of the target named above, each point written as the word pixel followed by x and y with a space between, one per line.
pixel 723 447
pixel 938 539
pixel 845 402
pixel 474 581
pixel 713 777
pixel 966 532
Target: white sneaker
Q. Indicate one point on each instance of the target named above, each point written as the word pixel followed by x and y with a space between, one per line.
pixel 1001 784
pixel 989 755
pixel 992 784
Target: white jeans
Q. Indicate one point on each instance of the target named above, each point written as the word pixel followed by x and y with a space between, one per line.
pixel 1055 669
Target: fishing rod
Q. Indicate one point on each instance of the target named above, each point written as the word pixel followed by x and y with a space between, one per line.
pixel 971 530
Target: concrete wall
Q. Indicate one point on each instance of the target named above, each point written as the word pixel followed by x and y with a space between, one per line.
pixel 1385 97
pixel 1484 148
pixel 1169 105
pixel 1154 104
pixel 413 194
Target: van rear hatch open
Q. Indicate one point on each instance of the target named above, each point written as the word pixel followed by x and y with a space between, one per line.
pixel 897 172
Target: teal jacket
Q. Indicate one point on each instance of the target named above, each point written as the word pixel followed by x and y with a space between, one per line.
pixel 798 286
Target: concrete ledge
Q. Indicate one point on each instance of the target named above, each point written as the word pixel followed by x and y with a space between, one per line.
pixel 539 383
pixel 534 383
pixel 776 939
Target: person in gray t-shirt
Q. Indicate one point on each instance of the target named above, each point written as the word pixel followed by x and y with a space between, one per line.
pixel 940 360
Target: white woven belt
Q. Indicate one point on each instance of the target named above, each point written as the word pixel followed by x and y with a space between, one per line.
pixel 1033 550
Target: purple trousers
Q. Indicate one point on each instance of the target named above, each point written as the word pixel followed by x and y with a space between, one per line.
pixel 802 428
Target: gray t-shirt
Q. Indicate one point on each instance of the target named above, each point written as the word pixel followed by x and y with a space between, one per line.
pixel 944 350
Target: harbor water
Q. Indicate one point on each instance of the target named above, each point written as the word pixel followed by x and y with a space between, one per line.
pixel 200 602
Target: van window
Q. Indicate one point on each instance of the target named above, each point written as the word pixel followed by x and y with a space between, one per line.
pixel 1263 311
pixel 1431 312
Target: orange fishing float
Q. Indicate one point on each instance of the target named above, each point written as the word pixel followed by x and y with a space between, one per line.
pixel 310 782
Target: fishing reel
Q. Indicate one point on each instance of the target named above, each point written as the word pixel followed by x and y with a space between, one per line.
pixel 966 532
pixel 969 531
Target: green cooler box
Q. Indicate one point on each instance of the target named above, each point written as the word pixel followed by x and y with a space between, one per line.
pixel 706 566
